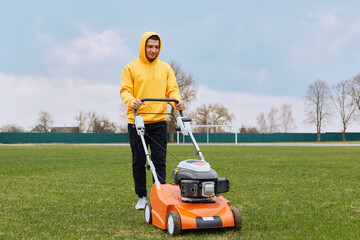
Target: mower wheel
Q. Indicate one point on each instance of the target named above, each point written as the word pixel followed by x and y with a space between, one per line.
pixel 147 213
pixel 173 223
pixel 237 218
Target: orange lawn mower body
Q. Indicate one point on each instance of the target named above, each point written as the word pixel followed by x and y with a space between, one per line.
pixel 193 201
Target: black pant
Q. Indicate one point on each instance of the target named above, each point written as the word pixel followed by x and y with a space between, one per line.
pixel 158 133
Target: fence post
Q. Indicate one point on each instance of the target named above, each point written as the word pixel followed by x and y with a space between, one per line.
pixel 207 134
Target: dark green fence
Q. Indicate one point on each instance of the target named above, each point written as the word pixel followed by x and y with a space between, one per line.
pixel 277 137
pixel 266 137
pixel 200 137
pixel 64 138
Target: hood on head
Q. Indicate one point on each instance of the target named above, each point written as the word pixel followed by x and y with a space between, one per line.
pixel 144 38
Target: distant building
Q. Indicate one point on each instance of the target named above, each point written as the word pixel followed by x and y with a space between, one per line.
pixel 65 130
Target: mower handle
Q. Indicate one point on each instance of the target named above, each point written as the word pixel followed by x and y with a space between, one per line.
pixel 158 100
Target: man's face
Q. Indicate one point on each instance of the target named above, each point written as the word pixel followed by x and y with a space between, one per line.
pixel 152 49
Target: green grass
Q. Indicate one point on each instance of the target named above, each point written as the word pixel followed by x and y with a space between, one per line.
pixel 86 192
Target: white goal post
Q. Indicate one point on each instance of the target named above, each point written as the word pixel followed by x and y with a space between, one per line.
pixel 207 131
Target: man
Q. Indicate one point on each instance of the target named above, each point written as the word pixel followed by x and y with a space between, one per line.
pixel 148 77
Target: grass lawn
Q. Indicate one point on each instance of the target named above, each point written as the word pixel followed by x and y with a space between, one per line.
pixel 86 192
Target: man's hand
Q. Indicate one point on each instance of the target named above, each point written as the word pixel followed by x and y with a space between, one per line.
pixel 180 105
pixel 137 104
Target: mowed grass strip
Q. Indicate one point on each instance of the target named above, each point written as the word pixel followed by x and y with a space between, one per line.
pixel 74 192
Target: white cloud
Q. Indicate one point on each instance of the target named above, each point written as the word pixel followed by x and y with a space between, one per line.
pixel 91 47
pixel 96 56
pixel 325 20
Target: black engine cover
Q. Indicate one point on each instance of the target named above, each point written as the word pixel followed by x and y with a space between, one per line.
pixel 180 173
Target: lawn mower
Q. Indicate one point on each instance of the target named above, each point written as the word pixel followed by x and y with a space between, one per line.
pixel 193 201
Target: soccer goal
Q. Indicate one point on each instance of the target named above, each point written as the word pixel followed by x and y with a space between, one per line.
pixel 208 129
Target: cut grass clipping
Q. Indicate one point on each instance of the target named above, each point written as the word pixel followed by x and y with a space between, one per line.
pixel 74 192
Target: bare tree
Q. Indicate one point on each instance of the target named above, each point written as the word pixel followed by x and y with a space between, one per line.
pixel 354 90
pixel 12 127
pixel 213 114
pixel 286 118
pixel 273 120
pixel 276 120
pixel 81 121
pixel 262 123
pixel 318 105
pixel 122 129
pixel 344 104
pixel 91 122
pixel 188 90
pixel 268 123
pixel 91 119
pixel 244 129
pixel 44 122
pixel 103 125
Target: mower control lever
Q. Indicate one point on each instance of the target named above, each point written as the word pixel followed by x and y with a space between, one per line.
pixel 184 119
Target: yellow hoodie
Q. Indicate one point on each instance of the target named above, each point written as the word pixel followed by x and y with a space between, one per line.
pixel 144 79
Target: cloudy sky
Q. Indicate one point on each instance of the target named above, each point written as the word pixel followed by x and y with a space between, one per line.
pixel 66 56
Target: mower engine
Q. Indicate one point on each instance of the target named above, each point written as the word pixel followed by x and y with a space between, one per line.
pixel 197 181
